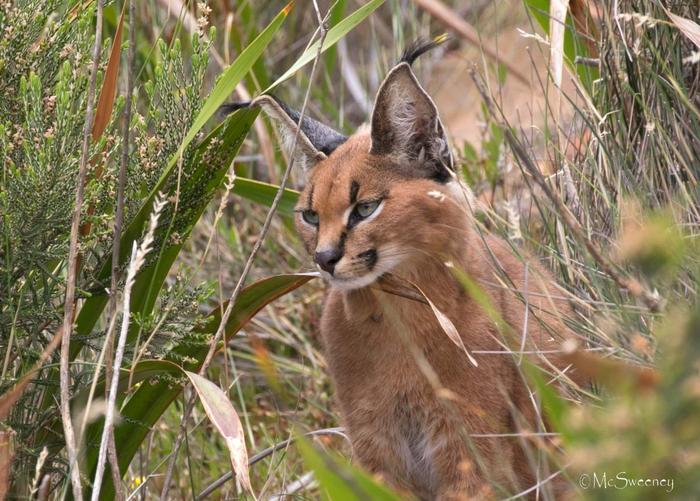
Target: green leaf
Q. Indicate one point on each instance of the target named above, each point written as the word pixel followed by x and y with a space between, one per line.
pixel 239 124
pixel 264 193
pixel 149 281
pixel 341 481
pixel 228 81
pixel 334 34
pixel 335 17
pixel 147 404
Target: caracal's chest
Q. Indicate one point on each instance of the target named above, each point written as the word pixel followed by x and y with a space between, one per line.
pixel 391 412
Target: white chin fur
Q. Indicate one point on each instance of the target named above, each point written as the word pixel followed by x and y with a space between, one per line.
pixel 384 265
pixel 348 284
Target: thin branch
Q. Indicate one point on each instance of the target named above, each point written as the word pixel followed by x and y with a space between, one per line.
pixel 116 242
pixel 246 269
pixel 71 276
pixel 266 452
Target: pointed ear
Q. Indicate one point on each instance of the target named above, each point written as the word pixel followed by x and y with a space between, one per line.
pixel 406 126
pixel 315 142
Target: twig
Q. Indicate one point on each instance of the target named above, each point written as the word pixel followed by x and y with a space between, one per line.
pixel 138 257
pixel 266 452
pixel 246 269
pixel 116 242
pixel 633 286
pixel 71 276
pixel 466 31
pixel 536 486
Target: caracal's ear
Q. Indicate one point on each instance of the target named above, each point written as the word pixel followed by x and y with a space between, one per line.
pixel 315 142
pixel 405 121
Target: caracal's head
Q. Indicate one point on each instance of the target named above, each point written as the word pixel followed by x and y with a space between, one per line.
pixel 383 198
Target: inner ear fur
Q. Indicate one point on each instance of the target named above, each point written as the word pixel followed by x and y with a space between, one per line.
pixel 406 125
pixel 315 140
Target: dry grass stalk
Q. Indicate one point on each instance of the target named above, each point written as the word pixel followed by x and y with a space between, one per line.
pixel 71 276
pixel 631 285
pixel 466 31
pixel 118 222
pixel 7 452
pixel 138 258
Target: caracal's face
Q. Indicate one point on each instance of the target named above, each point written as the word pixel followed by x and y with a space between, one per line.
pixel 383 199
pixel 360 216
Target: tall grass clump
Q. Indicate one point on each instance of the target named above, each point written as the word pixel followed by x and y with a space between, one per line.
pixel 615 212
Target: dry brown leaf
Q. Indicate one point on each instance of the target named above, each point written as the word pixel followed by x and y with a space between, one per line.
pixel 108 93
pixel 689 28
pixel 450 330
pixel 393 284
pixel 612 373
pixel 11 396
pixel 225 418
pixel 585 24
pixel 7 452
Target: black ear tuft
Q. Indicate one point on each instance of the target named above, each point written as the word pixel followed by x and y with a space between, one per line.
pixel 405 121
pixel 420 47
pixel 315 140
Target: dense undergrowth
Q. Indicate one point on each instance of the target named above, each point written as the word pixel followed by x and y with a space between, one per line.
pixel 620 177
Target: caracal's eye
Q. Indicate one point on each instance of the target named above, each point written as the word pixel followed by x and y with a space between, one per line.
pixel 310 216
pixel 365 209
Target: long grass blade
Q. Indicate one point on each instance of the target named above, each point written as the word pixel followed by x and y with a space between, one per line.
pixel 334 34
pixel 146 405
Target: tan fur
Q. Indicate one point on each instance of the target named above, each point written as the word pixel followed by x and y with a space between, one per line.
pixel 401 426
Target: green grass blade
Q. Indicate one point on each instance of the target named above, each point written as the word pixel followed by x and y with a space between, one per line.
pixel 334 34
pixel 340 480
pixel 264 193
pixel 148 282
pixel 230 78
pixel 92 309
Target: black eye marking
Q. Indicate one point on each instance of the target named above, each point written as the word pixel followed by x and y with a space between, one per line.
pixel 354 188
pixel 341 242
pixel 310 203
pixel 370 257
